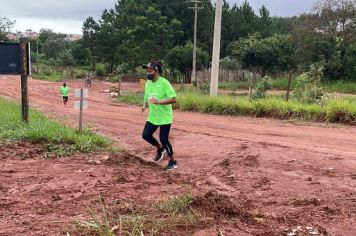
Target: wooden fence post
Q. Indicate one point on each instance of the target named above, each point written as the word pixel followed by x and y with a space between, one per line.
pixel 289 84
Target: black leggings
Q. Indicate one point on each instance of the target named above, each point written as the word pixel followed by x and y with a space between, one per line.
pixel 147 135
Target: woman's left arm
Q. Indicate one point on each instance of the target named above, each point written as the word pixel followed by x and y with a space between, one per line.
pixel 163 101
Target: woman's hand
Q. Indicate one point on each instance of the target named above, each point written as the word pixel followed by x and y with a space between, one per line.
pixel 153 101
pixel 144 106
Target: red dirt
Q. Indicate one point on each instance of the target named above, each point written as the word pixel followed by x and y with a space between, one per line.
pixel 250 176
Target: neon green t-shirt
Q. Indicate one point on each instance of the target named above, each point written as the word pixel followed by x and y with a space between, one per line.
pixel 160 89
pixel 64 91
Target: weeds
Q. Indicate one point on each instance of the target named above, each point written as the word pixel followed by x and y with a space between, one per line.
pixel 98 223
pixel 152 220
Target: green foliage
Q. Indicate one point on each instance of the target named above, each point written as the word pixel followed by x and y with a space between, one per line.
pixel 66 59
pixel 204 86
pixel 350 62
pixel 151 36
pixel 262 88
pixel 229 64
pixel 91 39
pixel 59 139
pixel 5 26
pixel 264 54
pixel 340 87
pixel 324 36
pixel 100 69
pixel 49 76
pixel 308 88
pixel 332 110
pixel 79 53
pixel 52 47
pixel 180 58
pixel 131 98
pixel 177 204
pixel 135 32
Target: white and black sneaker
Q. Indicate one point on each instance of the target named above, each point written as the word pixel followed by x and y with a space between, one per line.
pixel 171 165
pixel 160 155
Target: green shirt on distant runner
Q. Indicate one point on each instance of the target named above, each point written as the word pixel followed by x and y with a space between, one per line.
pixel 160 89
pixel 64 91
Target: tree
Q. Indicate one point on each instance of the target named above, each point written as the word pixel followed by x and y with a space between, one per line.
pixel 5 26
pixel 66 59
pixel 180 58
pixel 109 38
pixel 264 22
pixel 179 10
pixel 283 25
pixel 91 39
pixel 79 52
pixel 275 53
pixel 53 47
pixel 350 62
pixel 324 37
pixel 152 36
pixel 337 19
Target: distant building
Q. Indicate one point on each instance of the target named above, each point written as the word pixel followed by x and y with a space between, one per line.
pixel 11 36
pixel 17 35
pixel 34 35
pixel 73 37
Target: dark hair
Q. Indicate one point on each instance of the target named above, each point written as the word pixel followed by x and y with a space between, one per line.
pixel 159 65
pixel 156 65
pixel 64 84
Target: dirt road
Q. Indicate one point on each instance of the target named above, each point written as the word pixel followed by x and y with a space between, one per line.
pixel 294 173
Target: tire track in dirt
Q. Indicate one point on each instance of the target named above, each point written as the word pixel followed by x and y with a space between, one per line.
pixel 270 162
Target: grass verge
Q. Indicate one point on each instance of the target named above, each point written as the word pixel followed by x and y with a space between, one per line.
pixel 56 138
pixel 335 111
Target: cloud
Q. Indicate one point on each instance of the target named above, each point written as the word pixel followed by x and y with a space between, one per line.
pixel 68 26
pixel 67 16
pixel 45 9
pixel 61 16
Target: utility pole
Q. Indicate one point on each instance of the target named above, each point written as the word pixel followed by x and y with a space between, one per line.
pixel 195 8
pixel 216 51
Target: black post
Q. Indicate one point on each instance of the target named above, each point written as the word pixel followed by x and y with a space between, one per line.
pixel 24 76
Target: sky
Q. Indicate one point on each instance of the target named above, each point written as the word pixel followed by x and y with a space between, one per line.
pixel 67 16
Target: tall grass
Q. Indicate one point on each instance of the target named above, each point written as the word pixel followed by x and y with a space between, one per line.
pixel 131 98
pixel 340 87
pixel 339 111
pixel 43 130
pixel 336 110
pixel 276 84
pixel 281 84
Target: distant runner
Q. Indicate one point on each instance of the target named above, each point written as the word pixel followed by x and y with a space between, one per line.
pixel 64 90
pixel 159 97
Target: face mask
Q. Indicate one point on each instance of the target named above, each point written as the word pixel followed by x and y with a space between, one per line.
pixel 150 77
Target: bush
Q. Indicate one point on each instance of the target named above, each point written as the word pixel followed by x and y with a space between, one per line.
pixel 308 89
pixel 100 69
pixel 262 88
